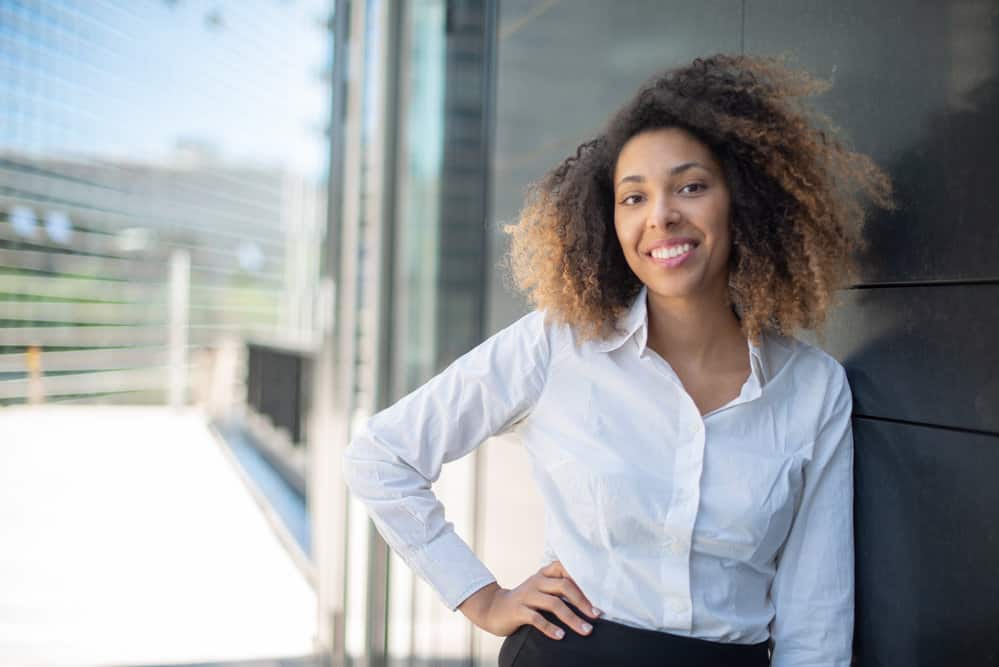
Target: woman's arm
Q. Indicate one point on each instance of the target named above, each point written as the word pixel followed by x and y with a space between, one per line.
pixel 813 589
pixel 392 461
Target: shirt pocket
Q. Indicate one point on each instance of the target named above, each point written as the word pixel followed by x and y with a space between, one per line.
pixel 748 501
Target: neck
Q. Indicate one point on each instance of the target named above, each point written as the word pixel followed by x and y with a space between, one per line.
pixel 696 331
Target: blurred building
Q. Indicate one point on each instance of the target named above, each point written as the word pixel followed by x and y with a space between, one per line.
pixel 134 132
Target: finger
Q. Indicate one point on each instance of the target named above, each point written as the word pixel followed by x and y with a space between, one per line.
pixel 554 569
pixel 568 588
pixel 572 592
pixel 553 604
pixel 541 623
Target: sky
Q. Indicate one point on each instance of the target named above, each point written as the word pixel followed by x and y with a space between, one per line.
pixel 135 80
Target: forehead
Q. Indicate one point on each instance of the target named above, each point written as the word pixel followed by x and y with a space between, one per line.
pixel 659 149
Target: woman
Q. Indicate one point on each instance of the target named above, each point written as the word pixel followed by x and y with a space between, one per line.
pixel 694 457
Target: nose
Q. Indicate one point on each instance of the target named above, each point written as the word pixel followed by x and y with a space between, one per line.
pixel 663 214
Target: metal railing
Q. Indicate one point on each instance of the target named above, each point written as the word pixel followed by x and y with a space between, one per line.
pixel 82 327
pixel 278 386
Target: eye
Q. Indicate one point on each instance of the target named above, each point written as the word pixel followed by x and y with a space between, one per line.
pixel 631 200
pixel 693 185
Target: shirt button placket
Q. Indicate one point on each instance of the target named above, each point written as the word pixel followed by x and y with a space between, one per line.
pixel 675 545
pixel 690 431
pixel 678 547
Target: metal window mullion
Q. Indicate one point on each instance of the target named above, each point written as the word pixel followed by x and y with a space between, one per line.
pixel 381 240
pixel 347 303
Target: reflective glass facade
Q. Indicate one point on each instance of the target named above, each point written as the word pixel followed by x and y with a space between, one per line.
pixel 410 283
pixel 131 132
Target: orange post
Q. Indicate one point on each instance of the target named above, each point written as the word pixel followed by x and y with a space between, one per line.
pixel 36 391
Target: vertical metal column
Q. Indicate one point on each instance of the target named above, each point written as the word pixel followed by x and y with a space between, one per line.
pixel 489 39
pixel 329 425
pixel 353 558
pixel 380 188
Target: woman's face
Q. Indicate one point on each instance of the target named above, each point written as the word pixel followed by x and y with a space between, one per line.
pixel 671 213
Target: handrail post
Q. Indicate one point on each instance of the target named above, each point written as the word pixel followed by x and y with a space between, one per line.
pixel 180 278
pixel 36 390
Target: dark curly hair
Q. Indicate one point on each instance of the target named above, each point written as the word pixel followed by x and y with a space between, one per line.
pixel 796 211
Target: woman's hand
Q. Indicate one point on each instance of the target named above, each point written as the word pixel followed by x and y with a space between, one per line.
pixel 500 611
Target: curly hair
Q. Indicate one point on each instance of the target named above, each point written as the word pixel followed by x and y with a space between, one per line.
pixel 796 200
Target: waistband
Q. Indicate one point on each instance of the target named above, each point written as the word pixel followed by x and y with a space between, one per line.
pixel 612 643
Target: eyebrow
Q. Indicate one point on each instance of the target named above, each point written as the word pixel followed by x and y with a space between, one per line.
pixel 683 166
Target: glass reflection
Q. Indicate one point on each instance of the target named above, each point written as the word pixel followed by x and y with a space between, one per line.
pixel 129 131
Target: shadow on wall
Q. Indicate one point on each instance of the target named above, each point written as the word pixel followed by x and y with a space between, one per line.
pixel 944 186
pixel 921 352
pixel 918 349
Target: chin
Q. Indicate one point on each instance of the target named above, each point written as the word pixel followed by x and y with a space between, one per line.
pixel 672 294
pixel 673 289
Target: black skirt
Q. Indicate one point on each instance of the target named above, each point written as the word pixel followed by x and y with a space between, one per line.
pixel 614 645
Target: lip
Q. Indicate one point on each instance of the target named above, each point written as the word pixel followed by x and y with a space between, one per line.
pixel 667 243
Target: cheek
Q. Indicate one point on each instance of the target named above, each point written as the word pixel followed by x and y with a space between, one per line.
pixel 722 248
pixel 723 233
pixel 627 234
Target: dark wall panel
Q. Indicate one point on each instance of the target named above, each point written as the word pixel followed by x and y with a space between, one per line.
pixel 921 354
pixel 914 85
pixel 927 533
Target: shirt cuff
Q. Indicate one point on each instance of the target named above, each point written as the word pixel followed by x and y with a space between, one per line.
pixel 452 569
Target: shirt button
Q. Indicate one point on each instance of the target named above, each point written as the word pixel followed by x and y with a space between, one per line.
pixel 678 547
pixel 693 429
pixel 678 604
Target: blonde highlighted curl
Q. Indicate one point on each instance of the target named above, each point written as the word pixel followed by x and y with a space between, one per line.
pixel 796 191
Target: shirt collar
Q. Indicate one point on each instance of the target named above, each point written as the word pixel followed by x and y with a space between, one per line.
pixel 633 323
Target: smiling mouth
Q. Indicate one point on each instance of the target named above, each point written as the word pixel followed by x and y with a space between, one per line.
pixel 672 255
pixel 672 251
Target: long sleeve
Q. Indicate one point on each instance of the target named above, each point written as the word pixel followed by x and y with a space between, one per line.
pixel 813 589
pixel 392 461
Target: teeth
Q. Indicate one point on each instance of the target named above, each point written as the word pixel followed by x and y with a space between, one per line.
pixel 674 251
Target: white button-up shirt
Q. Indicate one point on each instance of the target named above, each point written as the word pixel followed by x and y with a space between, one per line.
pixel 734 526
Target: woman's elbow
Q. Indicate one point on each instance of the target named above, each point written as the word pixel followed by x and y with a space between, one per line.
pixel 356 468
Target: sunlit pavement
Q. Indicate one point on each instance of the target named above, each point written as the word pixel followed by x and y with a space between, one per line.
pixel 127 538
